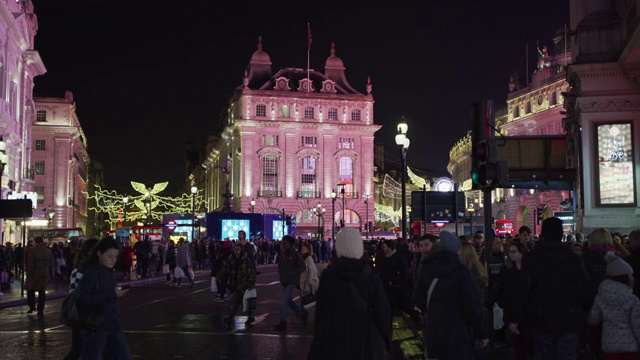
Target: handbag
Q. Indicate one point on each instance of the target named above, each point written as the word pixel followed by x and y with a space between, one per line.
pixel 249 300
pixel 165 269
pixel 214 284
pixel 309 299
pixel 82 317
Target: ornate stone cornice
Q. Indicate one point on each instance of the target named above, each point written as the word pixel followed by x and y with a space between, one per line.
pixel 608 105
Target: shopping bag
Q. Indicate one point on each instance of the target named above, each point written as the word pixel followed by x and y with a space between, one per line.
pixel 498 322
pixel 165 269
pixel 214 284
pixel 178 272
pixel 308 299
pixel 249 300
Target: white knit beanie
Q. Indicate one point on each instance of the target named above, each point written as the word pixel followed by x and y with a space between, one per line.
pixel 616 266
pixel 349 243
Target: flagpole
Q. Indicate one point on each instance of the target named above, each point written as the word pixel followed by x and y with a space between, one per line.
pixel 308 57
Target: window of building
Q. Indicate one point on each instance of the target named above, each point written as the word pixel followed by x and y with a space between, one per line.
pixel 308 112
pixel 39 167
pixel 516 111
pixel 284 111
pixel 347 143
pixel 269 173
pixel 261 110
pixel 346 176
pixel 41 116
pixel 554 98
pixel 40 145
pixel 40 191
pixel 308 177
pixel 527 108
pixel 310 141
pixel 332 114
pixel 270 140
pixel 355 115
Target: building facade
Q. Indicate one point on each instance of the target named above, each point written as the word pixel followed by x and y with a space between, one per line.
pixel 20 63
pixel 60 161
pixel 534 109
pixel 289 140
pixel 603 112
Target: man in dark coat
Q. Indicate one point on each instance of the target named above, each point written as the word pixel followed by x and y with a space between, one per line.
pixel 556 295
pixel 353 317
pixel 39 270
pixel 454 315
pixel 240 275
pixel 290 267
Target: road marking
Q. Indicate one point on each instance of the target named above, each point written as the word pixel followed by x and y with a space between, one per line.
pixel 269 284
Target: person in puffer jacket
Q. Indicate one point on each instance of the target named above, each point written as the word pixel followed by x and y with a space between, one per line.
pixel 618 310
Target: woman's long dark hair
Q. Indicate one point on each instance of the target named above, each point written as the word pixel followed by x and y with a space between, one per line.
pixel 102 246
pixel 85 250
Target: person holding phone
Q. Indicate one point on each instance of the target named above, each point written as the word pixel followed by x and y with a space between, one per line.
pixel 98 287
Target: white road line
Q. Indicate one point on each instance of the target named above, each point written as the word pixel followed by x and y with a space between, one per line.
pixel 269 284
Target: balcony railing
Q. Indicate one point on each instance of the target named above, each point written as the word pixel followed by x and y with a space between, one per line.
pixel 349 195
pixel 269 193
pixel 308 194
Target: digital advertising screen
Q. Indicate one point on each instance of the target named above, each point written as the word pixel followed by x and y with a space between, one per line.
pixel 616 185
pixel 277 230
pixel 230 228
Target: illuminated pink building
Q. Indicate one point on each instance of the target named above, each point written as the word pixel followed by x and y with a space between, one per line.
pixel 290 140
pixel 20 63
pixel 60 161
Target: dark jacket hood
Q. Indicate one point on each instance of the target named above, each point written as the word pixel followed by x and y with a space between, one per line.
pixel 351 269
pixel 440 264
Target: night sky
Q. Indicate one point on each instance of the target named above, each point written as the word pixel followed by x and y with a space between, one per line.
pixel 148 75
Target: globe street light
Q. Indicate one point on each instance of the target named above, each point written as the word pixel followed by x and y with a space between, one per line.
pixel 319 211
pixel 194 190
pixel 333 213
pixel 366 225
pixel 50 215
pixel 403 144
pixel 253 204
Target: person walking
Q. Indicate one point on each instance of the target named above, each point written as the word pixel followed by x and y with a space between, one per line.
pixel 98 287
pixel 309 280
pixel 170 259
pixel 618 310
pixel 240 275
pixel 556 295
pixel 39 270
pixel 74 280
pixel 183 260
pixel 126 259
pixel 290 267
pixel 446 293
pixel 353 316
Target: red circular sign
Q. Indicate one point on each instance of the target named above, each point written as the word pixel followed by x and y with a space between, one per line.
pixel 171 225
pixel 439 225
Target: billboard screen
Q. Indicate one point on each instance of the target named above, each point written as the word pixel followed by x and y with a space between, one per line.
pixel 230 228
pixel 277 230
pixel 615 170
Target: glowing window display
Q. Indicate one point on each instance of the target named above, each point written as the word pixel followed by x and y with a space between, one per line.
pixel 615 171
pixel 277 230
pixel 230 228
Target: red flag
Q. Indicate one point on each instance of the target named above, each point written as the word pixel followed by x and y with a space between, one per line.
pixel 309 31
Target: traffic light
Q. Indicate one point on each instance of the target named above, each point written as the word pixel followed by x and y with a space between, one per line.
pixel 486 171
pixel 541 214
pixel 288 220
pixel 341 223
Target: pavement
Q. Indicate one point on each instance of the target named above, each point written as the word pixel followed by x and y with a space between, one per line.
pixel 13 296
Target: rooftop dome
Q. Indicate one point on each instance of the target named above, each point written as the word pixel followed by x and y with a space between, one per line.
pixel 333 62
pixel 260 57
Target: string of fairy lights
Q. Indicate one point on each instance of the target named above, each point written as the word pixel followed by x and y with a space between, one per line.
pixel 147 204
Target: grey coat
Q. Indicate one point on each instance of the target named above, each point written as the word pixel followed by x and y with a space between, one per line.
pixel 184 255
pixel 619 311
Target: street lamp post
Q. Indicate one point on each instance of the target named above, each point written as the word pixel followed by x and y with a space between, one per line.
pixel 194 190
pixel 366 224
pixel 333 213
pixel 403 144
pixel 3 161
pixel 125 200
pixel 50 215
pixel 253 204
pixel 319 210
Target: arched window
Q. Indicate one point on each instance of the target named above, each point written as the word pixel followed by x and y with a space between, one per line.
pixel 516 111
pixel 528 108
pixel 355 115
pixel 332 114
pixel 308 177
pixel 261 110
pixel 346 176
pixel 308 112
pixel 554 98
pixel 269 184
